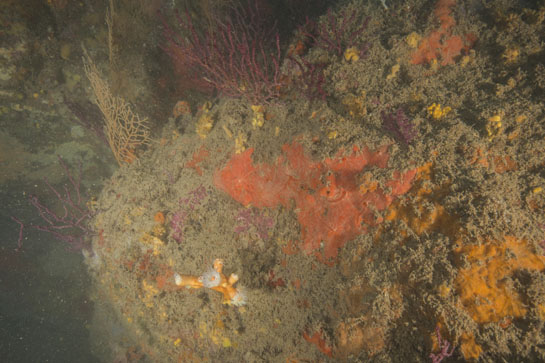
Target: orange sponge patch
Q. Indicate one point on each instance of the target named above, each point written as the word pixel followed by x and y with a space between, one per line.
pixel 425 213
pixel 330 205
pixel 440 44
pixel 482 286
pixel 470 349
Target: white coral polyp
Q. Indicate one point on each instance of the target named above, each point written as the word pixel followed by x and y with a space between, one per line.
pixel 240 298
pixel 211 278
pixel 177 279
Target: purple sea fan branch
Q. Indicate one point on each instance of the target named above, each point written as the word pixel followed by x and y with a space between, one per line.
pixel 335 37
pixel 399 125
pixel 71 224
pixel 246 218
pixel 21 228
pixel 311 79
pixel 444 346
pixel 179 219
pixel 239 57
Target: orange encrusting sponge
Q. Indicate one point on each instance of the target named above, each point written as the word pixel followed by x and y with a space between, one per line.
pixel 440 43
pixel 330 205
pixel 425 214
pixel 482 287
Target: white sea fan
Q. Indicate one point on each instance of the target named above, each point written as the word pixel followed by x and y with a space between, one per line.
pixel 211 278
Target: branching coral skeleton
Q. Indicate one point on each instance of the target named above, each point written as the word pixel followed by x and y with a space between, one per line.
pixel 215 279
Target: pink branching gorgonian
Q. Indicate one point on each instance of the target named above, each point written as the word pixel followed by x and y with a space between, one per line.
pixel 239 56
pixel 69 222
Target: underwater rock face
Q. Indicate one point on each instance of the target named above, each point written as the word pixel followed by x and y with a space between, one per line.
pixel 427 241
pixel 330 212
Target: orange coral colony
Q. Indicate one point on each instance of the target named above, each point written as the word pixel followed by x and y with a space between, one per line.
pixel 482 286
pixel 331 208
pixel 215 280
